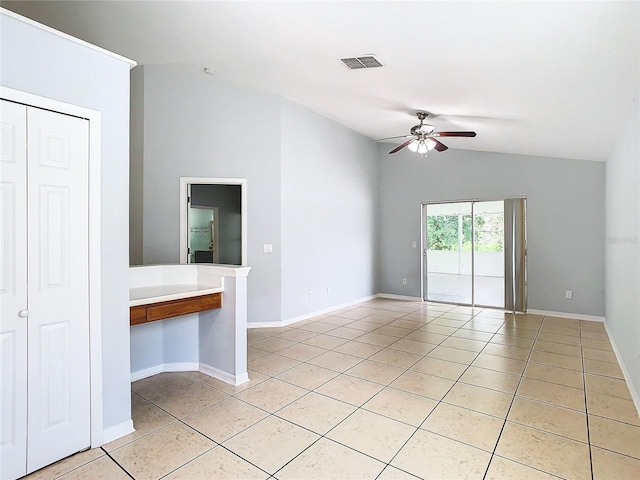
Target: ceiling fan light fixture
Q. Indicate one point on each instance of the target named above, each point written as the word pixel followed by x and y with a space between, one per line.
pixel 421 139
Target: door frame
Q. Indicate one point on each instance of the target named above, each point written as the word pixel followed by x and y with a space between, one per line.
pixel 184 190
pixel 424 284
pixel 95 281
pixel 423 233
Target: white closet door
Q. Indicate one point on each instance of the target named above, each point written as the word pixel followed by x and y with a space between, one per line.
pixel 58 285
pixel 13 290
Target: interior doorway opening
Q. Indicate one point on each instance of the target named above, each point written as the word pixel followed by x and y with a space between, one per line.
pixel 474 253
pixel 213 221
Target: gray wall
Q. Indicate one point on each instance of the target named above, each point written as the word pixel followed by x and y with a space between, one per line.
pixel 313 193
pixel 329 191
pixel 311 187
pixel 164 342
pixel 565 218
pixel 228 200
pixel 37 62
pixel 622 248
pixel 195 126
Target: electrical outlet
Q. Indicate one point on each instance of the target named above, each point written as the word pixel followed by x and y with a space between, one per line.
pixel 568 294
pixel 414 244
pixel 404 281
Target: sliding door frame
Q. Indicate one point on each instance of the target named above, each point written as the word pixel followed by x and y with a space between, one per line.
pixel 423 264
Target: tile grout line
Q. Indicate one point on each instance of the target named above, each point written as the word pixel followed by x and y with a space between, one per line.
pixel 477 353
pixel 425 355
pixel 117 463
pixel 493 453
pixel 441 399
pixel 362 359
pixel 469 366
pixel 360 407
pixel 219 444
pixel 586 404
pixel 588 443
pixel 386 464
pixel 308 392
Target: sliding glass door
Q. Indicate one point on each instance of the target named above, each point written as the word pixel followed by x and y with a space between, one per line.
pixel 474 253
pixel 488 254
pixel 448 253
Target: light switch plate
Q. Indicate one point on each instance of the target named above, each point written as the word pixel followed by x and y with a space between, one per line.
pixel 268 248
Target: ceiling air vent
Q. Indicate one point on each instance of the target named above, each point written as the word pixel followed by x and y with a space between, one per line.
pixel 361 62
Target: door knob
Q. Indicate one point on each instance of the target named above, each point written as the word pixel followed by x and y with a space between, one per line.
pixel 23 313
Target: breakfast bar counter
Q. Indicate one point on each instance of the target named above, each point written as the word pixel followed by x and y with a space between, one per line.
pixel 204 320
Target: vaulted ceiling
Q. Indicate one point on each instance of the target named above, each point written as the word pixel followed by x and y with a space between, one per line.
pixel 537 78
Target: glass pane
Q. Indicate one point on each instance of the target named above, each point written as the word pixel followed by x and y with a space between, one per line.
pixel 449 252
pixel 201 235
pixel 489 253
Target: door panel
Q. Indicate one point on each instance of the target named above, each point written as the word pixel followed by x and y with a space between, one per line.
pixel 54 379
pixel 480 262
pixel 54 238
pixel 59 388
pixel 448 253
pixel 13 290
pixel 489 255
pixel 203 238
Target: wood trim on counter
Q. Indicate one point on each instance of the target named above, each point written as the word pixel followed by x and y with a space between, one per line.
pixel 173 308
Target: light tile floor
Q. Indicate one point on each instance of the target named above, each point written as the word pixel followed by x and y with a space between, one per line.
pixel 389 390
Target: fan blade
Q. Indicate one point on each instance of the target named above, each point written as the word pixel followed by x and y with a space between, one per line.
pixel 400 147
pixel 392 138
pixel 453 134
pixel 441 147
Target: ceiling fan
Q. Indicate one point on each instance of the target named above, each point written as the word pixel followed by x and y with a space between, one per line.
pixel 423 137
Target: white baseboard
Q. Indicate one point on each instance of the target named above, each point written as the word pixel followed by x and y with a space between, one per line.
pixel 223 376
pixel 635 394
pixel 191 367
pixel 576 316
pixel 281 323
pixel 306 316
pixel 120 430
pixel 165 367
pixel 393 296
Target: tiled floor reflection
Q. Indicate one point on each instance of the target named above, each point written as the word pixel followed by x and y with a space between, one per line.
pixel 389 390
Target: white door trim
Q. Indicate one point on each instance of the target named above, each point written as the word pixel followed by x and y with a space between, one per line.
pixel 184 183
pixel 95 295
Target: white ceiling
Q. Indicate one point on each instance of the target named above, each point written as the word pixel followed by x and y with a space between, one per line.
pixel 537 78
